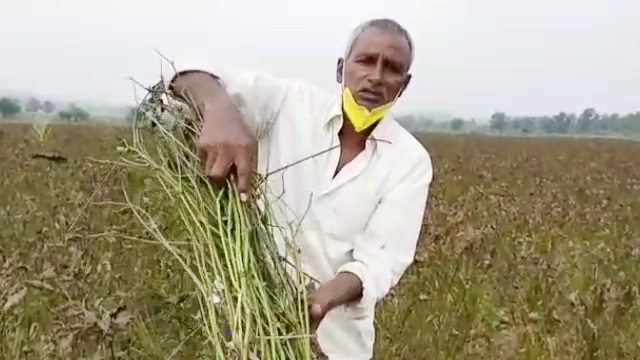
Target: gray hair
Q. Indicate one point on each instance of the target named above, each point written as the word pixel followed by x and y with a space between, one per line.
pixel 380 24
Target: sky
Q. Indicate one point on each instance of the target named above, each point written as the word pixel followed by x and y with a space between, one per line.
pixel 473 57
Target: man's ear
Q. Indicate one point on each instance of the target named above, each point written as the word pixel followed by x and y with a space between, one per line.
pixel 406 84
pixel 339 70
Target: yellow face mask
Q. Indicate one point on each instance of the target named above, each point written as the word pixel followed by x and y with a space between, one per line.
pixel 360 117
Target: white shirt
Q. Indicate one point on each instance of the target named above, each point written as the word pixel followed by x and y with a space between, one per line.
pixel 366 220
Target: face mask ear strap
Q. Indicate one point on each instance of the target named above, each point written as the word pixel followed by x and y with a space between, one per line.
pixel 395 98
pixel 403 88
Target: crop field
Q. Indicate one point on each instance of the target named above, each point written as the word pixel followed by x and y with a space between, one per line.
pixel 530 250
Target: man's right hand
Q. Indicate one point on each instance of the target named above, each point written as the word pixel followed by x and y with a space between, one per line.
pixel 227 147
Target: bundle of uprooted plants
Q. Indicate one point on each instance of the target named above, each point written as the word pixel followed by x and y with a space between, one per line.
pixel 251 306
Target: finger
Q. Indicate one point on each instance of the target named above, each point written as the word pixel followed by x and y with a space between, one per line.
pixel 316 316
pixel 243 173
pixel 210 159
pixel 221 166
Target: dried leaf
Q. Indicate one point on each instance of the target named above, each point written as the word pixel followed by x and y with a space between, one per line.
pixel 49 272
pixel 105 324
pixel 121 321
pixel 14 299
pixel 90 318
pixel 39 285
pixel 65 345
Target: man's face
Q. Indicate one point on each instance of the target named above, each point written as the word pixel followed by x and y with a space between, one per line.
pixel 377 68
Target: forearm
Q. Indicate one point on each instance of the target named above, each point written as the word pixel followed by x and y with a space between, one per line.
pixel 251 97
pixel 345 287
pixel 203 91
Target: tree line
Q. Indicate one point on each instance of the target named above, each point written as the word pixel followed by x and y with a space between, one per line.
pixel 14 108
pixel 588 122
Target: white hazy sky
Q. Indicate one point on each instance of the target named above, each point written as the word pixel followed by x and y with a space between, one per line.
pixel 473 57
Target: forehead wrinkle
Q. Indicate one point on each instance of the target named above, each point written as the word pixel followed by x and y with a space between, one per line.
pixel 390 51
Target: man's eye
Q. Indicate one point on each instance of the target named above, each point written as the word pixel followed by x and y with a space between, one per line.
pixel 395 69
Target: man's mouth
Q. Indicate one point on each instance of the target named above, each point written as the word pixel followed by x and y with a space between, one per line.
pixel 370 96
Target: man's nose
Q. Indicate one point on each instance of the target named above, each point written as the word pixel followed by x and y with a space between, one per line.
pixel 375 76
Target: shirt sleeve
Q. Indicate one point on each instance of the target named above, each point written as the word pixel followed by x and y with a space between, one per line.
pixel 258 95
pixel 385 250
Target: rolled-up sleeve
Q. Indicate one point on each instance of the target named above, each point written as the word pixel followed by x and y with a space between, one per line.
pixel 384 251
pixel 258 95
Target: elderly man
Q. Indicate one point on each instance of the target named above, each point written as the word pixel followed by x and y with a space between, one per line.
pixel 354 180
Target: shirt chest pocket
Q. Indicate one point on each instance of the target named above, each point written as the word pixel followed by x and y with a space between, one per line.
pixel 344 214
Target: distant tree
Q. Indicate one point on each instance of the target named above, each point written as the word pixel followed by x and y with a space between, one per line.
pixel 573 121
pixel 562 123
pixel 457 124
pixel 546 124
pixel 517 124
pixel 427 122
pixel 64 115
pixel 9 107
pixel 613 121
pixel 498 121
pixel 628 124
pixel 33 105
pixel 48 106
pixel 528 125
pixel 74 113
pixel 587 120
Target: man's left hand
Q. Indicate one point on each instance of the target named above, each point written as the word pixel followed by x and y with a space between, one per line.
pixel 342 289
pixel 320 305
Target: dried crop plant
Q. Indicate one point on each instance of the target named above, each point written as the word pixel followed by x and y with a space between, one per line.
pixel 40 128
pixel 253 304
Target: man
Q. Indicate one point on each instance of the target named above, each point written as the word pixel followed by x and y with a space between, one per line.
pixel 353 179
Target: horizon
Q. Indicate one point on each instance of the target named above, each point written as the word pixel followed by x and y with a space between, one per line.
pixel 438 115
